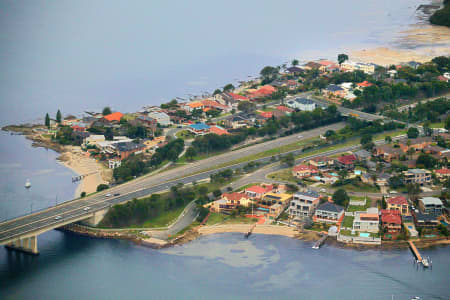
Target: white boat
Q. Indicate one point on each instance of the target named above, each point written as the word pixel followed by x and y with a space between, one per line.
pixel 425 262
pixel 28 184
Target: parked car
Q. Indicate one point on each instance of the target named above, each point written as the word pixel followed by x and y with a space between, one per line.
pixel 117 194
pixel 86 208
pixel 108 195
pixel 58 217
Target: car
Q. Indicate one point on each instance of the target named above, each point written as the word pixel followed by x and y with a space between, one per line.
pixel 300 136
pixel 393 192
pixel 86 208
pixel 323 190
pixel 108 195
pixel 58 218
pixel 117 194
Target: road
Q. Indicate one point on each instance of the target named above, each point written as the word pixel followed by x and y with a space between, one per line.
pixel 145 186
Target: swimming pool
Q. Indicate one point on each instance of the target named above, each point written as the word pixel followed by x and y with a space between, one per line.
pixel 444 223
pixel 364 234
pixel 410 227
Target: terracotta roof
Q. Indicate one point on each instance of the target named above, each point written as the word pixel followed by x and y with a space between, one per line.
pixel 399 200
pixel 325 62
pixel 365 83
pixel 116 116
pixel 259 189
pixel 238 97
pixel 234 196
pixel 391 217
pixel 442 171
pixel 284 108
pixel 195 104
pixel 218 130
pixel 347 159
pixel 300 168
pixel 266 114
pixel 321 158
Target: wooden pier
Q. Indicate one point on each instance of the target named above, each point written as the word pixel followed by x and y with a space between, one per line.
pixel 320 242
pixel 249 232
pixel 415 251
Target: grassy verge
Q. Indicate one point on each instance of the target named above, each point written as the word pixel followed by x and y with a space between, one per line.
pixel 283 175
pixel 348 221
pixel 217 218
pixel 162 220
pixel 353 208
pixel 185 135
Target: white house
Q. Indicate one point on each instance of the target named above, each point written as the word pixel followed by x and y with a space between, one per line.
pixel 367 220
pixel 94 139
pixel 162 118
pixel 302 104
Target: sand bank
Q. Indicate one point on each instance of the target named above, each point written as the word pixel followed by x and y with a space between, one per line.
pixel 243 228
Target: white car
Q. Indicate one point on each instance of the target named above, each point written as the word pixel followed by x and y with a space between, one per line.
pixel 108 195
pixel 300 136
pixel 86 208
pixel 58 217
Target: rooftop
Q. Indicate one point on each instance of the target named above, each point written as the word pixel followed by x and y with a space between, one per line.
pixel 328 206
pixel 431 201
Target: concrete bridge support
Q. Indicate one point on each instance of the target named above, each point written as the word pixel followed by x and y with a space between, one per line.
pixel 96 218
pixel 27 245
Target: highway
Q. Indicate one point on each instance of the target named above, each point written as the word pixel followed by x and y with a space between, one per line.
pixel 143 186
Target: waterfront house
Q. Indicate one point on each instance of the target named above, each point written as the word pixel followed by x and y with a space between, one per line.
pixel 322 163
pixel 303 204
pixel 295 70
pixel 237 199
pixel 218 206
pixel 346 161
pixel 199 128
pixel 257 191
pixel 303 171
pixel 431 205
pixel 349 66
pixel 93 140
pixel 270 198
pixel 398 203
pixel 302 104
pixel 391 222
pixel 419 176
pixel 422 220
pixel 311 65
pixel 367 220
pixel 329 212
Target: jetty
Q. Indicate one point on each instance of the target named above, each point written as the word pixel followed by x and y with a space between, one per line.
pixel 320 242
pixel 425 261
pixel 249 232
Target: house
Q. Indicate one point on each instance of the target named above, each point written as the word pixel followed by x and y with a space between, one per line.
pixel 364 84
pixel 322 163
pixel 302 104
pixel 286 110
pixel 366 220
pixel 383 179
pixel 161 118
pixel 257 191
pixel 311 65
pixel 262 92
pixel 218 130
pixel 442 174
pixel 442 78
pixel 387 152
pixel 349 66
pixel 413 64
pixel 218 206
pixel 237 199
pixel 417 144
pixel 419 176
pixel 273 198
pixel 266 114
pixel 334 90
pixel 329 212
pixel 93 140
pixel 425 220
pixel 363 155
pixel 80 136
pixel 303 171
pixel 391 222
pixel 199 128
pixel 303 204
pixel 211 104
pixel 237 97
pixel 125 149
pixel 398 203
pixel 295 70
pixel 346 161
pixel 148 122
pixel 114 117
pixel 431 205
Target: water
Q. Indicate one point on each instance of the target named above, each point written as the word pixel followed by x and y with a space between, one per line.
pixel 78 55
pixel 222 266
pixel 50 181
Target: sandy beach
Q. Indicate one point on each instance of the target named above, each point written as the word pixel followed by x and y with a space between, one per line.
pixel 243 228
pixel 81 164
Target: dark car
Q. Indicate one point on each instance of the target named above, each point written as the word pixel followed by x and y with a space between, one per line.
pixel 117 194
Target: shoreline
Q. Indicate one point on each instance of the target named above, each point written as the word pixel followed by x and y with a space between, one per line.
pixel 290 232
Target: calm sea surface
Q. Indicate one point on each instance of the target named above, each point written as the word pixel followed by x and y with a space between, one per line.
pixel 77 55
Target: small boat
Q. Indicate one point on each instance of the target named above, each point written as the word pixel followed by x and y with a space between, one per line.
pixel 28 184
pixel 425 262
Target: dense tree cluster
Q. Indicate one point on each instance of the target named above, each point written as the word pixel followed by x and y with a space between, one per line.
pixel 171 151
pixel 442 16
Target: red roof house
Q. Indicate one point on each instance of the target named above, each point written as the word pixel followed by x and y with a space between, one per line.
pixel 302 171
pixel 266 114
pixel 347 161
pixel 116 116
pixel 258 191
pixel 364 84
pixel 391 220
pixel 284 109
pixel 399 204
pixel 238 97
pixel 218 130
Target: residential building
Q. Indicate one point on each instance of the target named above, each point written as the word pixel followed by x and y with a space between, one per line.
pixel 367 220
pixel 285 109
pixel 398 203
pixel 311 65
pixel 346 161
pixel 274 198
pixel 364 84
pixel 425 220
pixel 257 191
pixel 417 144
pixel 114 117
pixel 322 163
pixel 295 70
pixel 329 212
pixel 199 128
pixel 349 66
pixel 363 155
pixel 419 176
pixel 303 171
pixel 334 90
pixel 442 174
pixel 237 199
pixel 125 149
pixel 160 117
pixel 387 152
pixel 431 205
pixel 93 140
pixel 216 129
pixel 302 104
pixel 303 204
pixel 391 221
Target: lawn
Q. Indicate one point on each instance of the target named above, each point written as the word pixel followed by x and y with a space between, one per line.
pixel 353 208
pixel 217 218
pixel 283 175
pixel 362 187
pixel 348 222
pixel 185 135
pixel 162 220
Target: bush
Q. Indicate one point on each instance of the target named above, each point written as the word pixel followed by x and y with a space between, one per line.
pixel 102 187
pixel 83 194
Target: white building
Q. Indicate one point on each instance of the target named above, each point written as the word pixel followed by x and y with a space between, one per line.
pixel 162 118
pixel 301 104
pixel 114 163
pixel 350 66
pixel 94 139
pixel 367 220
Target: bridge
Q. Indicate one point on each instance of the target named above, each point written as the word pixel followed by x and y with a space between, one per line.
pixel 21 233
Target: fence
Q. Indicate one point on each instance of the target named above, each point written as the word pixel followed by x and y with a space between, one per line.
pixel 357 202
pixel 359 239
pixel 349 214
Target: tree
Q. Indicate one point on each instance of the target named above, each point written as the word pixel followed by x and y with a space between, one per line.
pixel 343 174
pixel 413 132
pixel 295 62
pixel 190 153
pixel 246 106
pixel 395 182
pixel 228 88
pixel 342 57
pixel 216 91
pixel 58 116
pixel 413 191
pixel 426 160
pixel 102 187
pixel 106 111
pixel 365 139
pixel 109 135
pixel 388 139
pixel 269 73
pixel 83 194
pixel 47 120
pixel 288 160
pixel 217 193
pixel 340 197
